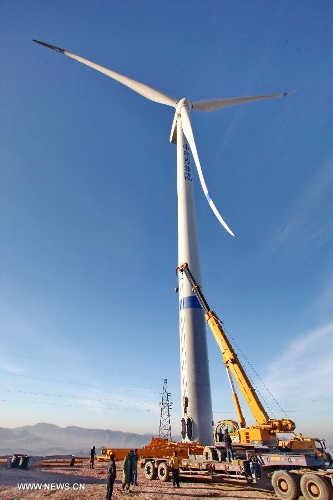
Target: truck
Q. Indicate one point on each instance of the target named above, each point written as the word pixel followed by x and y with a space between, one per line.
pixel 289 474
pixel 268 451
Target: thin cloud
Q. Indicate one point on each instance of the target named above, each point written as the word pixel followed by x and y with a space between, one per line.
pixel 304 368
pixel 323 304
pixel 300 379
pixel 309 215
pixel 10 367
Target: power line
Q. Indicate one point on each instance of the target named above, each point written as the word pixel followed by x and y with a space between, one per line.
pixel 72 406
pixel 74 365
pixel 101 400
pixel 79 383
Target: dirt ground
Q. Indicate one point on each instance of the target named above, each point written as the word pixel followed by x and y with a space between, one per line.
pixel 82 483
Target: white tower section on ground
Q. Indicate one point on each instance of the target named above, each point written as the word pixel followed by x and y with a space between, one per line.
pixel 194 365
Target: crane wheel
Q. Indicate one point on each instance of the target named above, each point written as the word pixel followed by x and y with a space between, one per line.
pixel 315 487
pixel 285 485
pixel 150 471
pixel 163 472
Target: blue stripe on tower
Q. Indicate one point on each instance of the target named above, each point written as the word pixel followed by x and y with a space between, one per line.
pixel 190 302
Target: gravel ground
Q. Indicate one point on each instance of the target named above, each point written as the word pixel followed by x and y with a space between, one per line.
pixel 94 484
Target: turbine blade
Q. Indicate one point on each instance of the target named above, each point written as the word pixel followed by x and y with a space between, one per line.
pixel 140 88
pixel 188 132
pixel 215 104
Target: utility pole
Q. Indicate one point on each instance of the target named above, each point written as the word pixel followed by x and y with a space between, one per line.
pixel 164 430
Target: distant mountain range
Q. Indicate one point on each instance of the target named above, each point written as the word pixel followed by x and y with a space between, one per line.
pixel 49 439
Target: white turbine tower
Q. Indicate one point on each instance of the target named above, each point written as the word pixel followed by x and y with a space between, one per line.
pixel 195 382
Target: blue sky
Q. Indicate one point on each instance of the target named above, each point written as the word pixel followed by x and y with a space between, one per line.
pixel 89 316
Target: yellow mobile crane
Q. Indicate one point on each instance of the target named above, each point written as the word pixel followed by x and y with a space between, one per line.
pixel 294 467
pixel 264 431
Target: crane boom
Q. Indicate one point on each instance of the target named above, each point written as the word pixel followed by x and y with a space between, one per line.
pixel 240 416
pixel 264 423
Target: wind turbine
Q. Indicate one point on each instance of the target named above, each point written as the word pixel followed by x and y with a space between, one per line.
pixel 197 415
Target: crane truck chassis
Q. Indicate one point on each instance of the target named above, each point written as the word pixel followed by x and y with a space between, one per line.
pixel 290 475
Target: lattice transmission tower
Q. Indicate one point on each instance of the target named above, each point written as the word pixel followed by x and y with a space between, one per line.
pixel 164 430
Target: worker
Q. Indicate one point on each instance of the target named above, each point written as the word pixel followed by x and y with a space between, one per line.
pixel 135 468
pixel 127 471
pixel 228 445
pixel 254 461
pixel 92 457
pixel 112 472
pixel 175 463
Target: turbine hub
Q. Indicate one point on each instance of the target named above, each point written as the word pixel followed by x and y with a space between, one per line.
pixel 183 102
